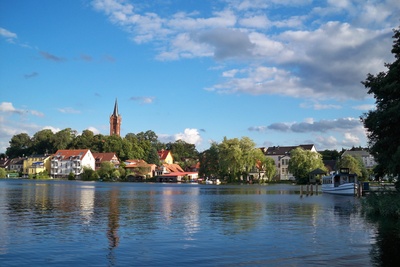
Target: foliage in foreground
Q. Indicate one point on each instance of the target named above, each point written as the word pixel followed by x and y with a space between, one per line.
pixel 379 204
pixel 383 122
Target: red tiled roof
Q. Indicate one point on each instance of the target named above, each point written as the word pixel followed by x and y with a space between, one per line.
pixel 104 156
pixel 163 154
pixel 173 167
pixel 134 163
pixel 71 153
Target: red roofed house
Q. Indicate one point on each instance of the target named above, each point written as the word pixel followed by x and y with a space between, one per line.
pixel 64 162
pixel 165 156
pixel 138 168
pixel 105 157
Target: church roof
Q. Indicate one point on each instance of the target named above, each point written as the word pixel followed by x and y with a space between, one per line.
pixel 115 113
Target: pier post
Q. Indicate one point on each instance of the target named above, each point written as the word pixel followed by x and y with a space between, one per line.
pixel 301 190
pixel 312 189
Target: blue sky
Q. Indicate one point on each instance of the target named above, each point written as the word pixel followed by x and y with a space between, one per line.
pixel 280 72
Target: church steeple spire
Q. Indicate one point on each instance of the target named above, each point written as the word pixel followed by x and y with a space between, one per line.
pixel 115 121
pixel 115 113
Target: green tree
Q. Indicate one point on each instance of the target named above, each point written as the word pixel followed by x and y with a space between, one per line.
pixel 330 154
pixel 137 151
pixel 268 165
pixel 209 161
pixel 88 174
pixel 352 163
pixel 230 159
pixel 382 124
pixel 182 150
pixel 83 141
pixel 63 139
pixel 152 157
pixel 302 162
pixel 42 142
pixel 106 170
pixel 20 145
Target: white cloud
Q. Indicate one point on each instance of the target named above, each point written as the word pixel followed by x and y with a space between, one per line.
pixel 9 36
pixel 94 130
pixel 305 56
pixel 69 110
pixel 53 129
pixel 258 21
pixel 143 99
pixel 365 107
pixel 189 135
pixel 8 108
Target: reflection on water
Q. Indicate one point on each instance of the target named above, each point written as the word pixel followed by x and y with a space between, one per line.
pixel 116 224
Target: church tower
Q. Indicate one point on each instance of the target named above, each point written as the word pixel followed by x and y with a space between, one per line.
pixel 115 121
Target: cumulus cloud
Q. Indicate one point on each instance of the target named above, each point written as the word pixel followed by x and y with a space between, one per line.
pixel 94 130
pixel 189 135
pixel 304 56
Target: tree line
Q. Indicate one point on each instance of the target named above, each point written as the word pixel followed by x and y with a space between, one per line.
pixel 143 145
pixel 232 160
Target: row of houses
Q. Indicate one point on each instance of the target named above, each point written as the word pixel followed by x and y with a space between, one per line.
pixel 281 156
pixel 64 162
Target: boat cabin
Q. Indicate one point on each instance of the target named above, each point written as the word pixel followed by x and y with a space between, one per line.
pixel 343 177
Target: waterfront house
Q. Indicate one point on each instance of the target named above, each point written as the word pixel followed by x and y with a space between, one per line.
pixel 106 157
pixel 138 169
pixel 36 164
pixel 65 162
pixel 16 165
pixel 281 156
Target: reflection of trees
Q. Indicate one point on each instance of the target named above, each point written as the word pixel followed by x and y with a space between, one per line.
pixel 386 250
pixel 239 216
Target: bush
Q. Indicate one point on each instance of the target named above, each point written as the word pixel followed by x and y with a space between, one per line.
pixel 382 204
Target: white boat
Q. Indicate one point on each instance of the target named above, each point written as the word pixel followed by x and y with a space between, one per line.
pixel 341 183
pixel 215 181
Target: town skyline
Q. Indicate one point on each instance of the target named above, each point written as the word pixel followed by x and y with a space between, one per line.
pixel 278 73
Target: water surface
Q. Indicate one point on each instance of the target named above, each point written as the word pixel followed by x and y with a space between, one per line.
pixel 71 223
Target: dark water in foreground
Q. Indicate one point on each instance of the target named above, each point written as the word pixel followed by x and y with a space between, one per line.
pixel 69 223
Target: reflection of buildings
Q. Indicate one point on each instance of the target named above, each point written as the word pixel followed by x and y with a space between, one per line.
pixel 113 220
pixel 87 203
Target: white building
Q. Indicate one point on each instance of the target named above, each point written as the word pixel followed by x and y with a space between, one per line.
pixel 281 156
pixel 365 156
pixel 64 162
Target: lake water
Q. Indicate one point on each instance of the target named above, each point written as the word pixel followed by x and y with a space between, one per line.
pixel 72 223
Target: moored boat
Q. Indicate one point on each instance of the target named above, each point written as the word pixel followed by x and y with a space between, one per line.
pixel 341 183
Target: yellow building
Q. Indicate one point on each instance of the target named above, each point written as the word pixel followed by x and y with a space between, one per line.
pixel 36 164
pixel 165 156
